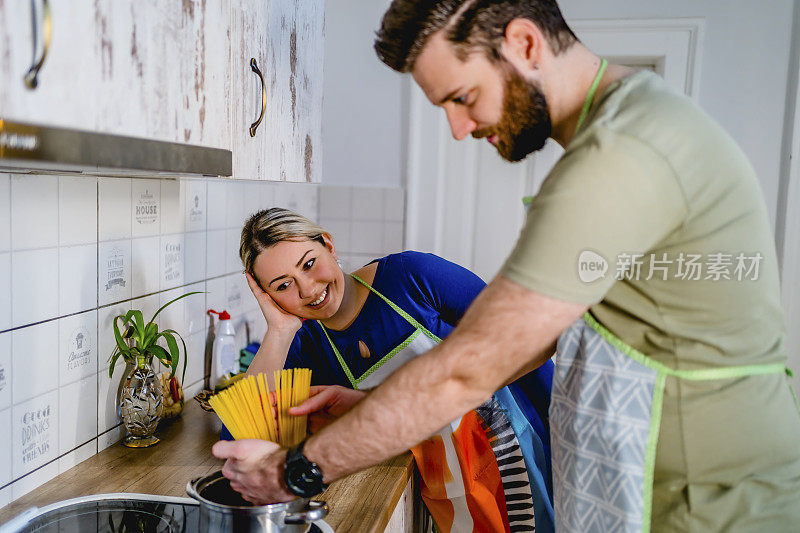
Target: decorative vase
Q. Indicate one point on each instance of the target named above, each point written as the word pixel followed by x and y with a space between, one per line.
pixel 140 405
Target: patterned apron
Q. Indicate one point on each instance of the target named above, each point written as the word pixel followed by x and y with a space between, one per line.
pixel 482 472
pixel 605 416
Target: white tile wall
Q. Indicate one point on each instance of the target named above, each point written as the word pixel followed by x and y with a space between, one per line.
pixel 217 204
pixel 194 265
pixel 113 271
pixel 77 210
pixel 216 262
pixel 34 212
pixel 77 275
pixel 33 296
pixel 5 371
pixel 172 254
pixel 77 456
pixel 77 347
pixel 252 200
pixel 93 255
pixel 77 414
pixel 144 266
pixel 234 212
pixel 195 205
pixel 31 481
pixel 34 361
pixel 114 208
pixel 335 202
pixel 233 238
pixel 34 426
pixel 5 291
pixel 366 237
pixel 367 203
pixel 366 222
pixel 5 212
pixel 195 313
pixel 173 219
pixel 108 396
pixel 145 207
pixel 5 447
pixel 394 205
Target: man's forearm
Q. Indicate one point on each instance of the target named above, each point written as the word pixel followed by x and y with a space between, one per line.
pixel 499 336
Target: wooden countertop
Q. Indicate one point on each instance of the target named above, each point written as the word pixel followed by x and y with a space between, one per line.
pixel 362 502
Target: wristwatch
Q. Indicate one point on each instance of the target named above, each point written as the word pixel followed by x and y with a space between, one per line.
pixel 303 477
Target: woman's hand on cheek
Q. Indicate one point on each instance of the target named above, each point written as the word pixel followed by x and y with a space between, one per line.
pixel 278 320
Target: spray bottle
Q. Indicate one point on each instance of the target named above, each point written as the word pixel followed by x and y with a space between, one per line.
pixel 223 353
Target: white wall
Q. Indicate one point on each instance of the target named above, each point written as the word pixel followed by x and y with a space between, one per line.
pixel 363 121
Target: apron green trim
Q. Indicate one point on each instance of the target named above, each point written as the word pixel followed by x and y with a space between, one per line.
pixel 658 398
pixel 410 319
pixel 707 374
pixel 587 103
pixel 341 360
pixel 650 452
pixel 388 356
pixel 417 329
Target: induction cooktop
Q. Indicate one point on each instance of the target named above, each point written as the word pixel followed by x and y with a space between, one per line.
pixel 117 513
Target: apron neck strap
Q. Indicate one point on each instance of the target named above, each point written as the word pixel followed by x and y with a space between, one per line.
pixel 590 95
pixel 410 319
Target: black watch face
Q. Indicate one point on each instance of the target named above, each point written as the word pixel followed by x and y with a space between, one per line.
pixel 303 480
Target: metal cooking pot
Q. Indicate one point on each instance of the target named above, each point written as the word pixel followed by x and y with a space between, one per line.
pixel 222 509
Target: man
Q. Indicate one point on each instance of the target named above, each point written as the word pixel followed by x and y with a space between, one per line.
pixel 671 408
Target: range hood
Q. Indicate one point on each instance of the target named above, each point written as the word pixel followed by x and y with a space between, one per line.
pixel 32 148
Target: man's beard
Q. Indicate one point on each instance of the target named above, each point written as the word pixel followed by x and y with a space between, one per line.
pixel 525 125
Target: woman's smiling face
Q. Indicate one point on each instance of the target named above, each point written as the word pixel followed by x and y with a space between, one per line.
pixel 302 277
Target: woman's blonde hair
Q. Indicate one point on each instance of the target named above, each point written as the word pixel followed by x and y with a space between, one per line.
pixel 271 226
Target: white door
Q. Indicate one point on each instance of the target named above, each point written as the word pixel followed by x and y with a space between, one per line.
pixel 465 202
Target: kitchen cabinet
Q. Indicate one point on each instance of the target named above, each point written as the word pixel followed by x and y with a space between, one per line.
pixel 285 37
pixel 248 25
pixel 177 71
pixel 156 70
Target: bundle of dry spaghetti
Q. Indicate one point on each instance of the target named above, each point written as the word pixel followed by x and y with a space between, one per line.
pixel 246 408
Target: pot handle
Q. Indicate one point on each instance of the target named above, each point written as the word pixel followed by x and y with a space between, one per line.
pixel 315 511
pixel 190 488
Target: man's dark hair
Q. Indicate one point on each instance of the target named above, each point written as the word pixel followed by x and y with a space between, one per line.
pixel 469 24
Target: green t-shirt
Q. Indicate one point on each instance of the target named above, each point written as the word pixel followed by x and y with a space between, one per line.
pixel 658 194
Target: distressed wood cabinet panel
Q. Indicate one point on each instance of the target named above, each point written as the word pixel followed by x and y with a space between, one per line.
pixel 165 69
pixel 142 68
pixel 68 90
pixel 249 34
pixel 290 40
pixel 306 42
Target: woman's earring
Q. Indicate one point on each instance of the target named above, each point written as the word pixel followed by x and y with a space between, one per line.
pixel 339 262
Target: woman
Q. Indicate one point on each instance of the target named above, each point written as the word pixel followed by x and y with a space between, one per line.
pixel 354 330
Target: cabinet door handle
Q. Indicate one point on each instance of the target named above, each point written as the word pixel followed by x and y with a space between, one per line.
pixel 255 124
pixel 31 80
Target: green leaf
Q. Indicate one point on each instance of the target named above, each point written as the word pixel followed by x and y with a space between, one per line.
pixel 185 353
pixel 173 350
pixel 150 335
pixel 137 316
pixel 173 300
pixel 120 342
pixel 162 354
pixel 113 362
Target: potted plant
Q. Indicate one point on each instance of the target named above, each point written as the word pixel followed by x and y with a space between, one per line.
pixel 141 397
